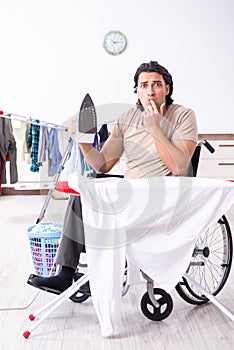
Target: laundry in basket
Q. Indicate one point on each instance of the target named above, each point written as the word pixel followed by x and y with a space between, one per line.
pixel 44 239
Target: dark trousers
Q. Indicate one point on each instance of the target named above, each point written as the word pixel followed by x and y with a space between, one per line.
pixel 72 242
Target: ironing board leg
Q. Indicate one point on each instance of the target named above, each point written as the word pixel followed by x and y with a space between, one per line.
pixel 54 304
pixel 211 297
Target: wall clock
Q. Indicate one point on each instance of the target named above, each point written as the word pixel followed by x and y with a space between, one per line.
pixel 115 42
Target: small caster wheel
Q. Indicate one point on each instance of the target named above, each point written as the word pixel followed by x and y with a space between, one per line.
pixel 157 313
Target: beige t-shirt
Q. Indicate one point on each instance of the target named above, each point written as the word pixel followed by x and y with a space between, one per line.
pixel 142 158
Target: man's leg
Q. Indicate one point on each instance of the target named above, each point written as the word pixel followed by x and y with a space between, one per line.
pixel 68 255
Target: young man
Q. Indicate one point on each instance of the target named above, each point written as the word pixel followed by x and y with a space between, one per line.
pixel 158 138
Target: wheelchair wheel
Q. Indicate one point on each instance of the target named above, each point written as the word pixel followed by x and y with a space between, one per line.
pixel 210 264
pixel 164 308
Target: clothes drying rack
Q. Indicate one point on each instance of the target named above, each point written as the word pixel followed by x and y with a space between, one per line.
pixel 56 178
pixel 24 119
pixel 28 120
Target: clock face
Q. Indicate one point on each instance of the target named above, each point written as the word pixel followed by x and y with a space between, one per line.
pixel 115 42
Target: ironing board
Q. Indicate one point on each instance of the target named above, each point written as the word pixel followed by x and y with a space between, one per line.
pixel 154 222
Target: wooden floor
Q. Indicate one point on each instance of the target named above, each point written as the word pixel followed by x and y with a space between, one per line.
pixel 75 326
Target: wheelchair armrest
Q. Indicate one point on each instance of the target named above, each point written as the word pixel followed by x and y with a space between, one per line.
pixel 208 146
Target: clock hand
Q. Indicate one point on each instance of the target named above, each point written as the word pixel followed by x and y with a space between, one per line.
pixel 114 41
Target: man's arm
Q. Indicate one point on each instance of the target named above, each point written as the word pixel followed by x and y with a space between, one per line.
pixel 175 154
pixel 104 160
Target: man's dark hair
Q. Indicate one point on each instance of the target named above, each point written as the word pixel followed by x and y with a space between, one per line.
pixel 153 66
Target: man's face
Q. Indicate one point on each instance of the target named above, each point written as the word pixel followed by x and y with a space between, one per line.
pixel 151 86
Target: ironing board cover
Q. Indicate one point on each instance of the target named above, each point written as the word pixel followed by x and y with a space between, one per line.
pixel 154 222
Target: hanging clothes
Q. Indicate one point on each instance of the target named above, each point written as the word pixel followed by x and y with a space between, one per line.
pixel 32 143
pixel 0 175
pixel 103 135
pixel 76 161
pixel 8 151
pixel 43 143
pixel 54 153
pixel 24 132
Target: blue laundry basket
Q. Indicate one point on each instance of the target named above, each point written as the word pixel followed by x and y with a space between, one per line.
pixel 44 239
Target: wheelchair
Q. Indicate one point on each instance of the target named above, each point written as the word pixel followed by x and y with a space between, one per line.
pixel 206 275
pixel 210 265
pixel 211 261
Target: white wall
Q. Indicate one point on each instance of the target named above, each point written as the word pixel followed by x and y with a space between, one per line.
pixel 51 55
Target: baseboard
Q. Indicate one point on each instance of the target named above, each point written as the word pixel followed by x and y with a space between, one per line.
pixel 27 188
pixel 12 191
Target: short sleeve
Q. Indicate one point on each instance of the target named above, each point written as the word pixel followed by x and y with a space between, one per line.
pixel 186 126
